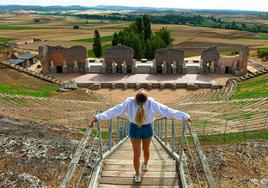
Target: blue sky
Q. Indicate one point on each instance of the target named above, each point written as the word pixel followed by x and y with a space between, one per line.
pixel 261 5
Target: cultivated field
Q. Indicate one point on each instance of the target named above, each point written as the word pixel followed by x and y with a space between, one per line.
pixel 58 30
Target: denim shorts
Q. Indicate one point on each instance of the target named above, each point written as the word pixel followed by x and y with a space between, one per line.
pixel 142 132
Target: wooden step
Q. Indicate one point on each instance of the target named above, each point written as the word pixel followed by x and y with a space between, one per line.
pixel 152 162
pixel 153 168
pixel 129 174
pixel 153 181
pixel 132 186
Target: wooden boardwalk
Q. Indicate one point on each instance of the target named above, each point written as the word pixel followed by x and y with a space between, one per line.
pixel 118 168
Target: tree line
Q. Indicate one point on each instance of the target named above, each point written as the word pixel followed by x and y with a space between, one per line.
pixel 193 20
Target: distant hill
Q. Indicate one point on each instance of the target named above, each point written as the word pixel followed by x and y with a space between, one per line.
pixel 4 8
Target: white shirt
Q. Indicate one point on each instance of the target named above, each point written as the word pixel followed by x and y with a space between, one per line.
pixel 130 107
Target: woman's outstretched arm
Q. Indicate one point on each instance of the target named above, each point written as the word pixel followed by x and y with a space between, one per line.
pixel 169 112
pixel 112 112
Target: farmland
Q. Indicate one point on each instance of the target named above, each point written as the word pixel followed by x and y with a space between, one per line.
pixel 58 30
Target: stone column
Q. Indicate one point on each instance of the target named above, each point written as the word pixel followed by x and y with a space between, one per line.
pixel 212 67
pixel 103 68
pixel 64 68
pixel 114 67
pixel 164 68
pixel 124 67
pixel 174 67
pixel 184 67
pixel 86 66
pixel 76 67
pixel 201 67
pixel 153 68
pixel 52 68
pixel 134 68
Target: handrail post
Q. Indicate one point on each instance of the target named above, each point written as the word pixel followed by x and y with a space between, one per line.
pixel 161 132
pixel 165 131
pixel 158 129
pixel 173 136
pixel 125 132
pixel 127 126
pixel 225 129
pixel 110 134
pixel 100 140
pixel 182 141
pixel 118 137
pixel 154 127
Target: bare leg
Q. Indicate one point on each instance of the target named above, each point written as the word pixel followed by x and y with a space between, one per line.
pixel 136 145
pixel 146 149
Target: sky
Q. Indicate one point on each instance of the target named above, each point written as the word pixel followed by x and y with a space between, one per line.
pixel 260 5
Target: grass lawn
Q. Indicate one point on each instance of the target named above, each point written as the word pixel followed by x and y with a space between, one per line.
pixel 252 88
pixel 3 40
pixel 11 27
pixel 232 137
pixel 91 53
pixel 262 36
pixel 103 39
pixel 40 92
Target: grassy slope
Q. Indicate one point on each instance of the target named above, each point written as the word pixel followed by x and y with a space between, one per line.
pixel 14 82
pixel 3 40
pixel 233 137
pixel 252 88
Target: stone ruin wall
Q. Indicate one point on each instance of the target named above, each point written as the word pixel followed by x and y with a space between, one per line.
pixel 59 54
pixel 169 55
pixel 243 61
pixel 209 55
pixel 119 54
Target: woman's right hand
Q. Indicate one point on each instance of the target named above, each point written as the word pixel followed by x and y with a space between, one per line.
pixel 93 120
pixel 189 120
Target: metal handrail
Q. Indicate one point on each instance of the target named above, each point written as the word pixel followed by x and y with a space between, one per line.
pixel 179 155
pixel 121 124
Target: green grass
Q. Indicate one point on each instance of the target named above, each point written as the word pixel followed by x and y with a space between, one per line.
pixel 10 100
pixel 232 137
pixel 11 27
pixel 262 36
pixel 252 88
pixel 4 40
pixel 104 134
pixel 91 53
pixel 103 39
pixel 19 90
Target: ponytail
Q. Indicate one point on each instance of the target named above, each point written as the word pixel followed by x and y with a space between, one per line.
pixel 140 116
pixel 141 98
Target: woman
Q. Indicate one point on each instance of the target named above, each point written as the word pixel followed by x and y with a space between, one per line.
pixel 141 111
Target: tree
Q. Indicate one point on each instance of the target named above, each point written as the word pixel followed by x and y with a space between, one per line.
pixel 76 27
pixel 115 39
pixel 156 43
pixel 146 27
pixel 139 25
pixel 165 34
pixel 97 44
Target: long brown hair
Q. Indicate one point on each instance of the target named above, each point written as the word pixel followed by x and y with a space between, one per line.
pixel 141 98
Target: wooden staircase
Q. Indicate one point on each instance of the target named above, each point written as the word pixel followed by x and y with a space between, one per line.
pixel 118 168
